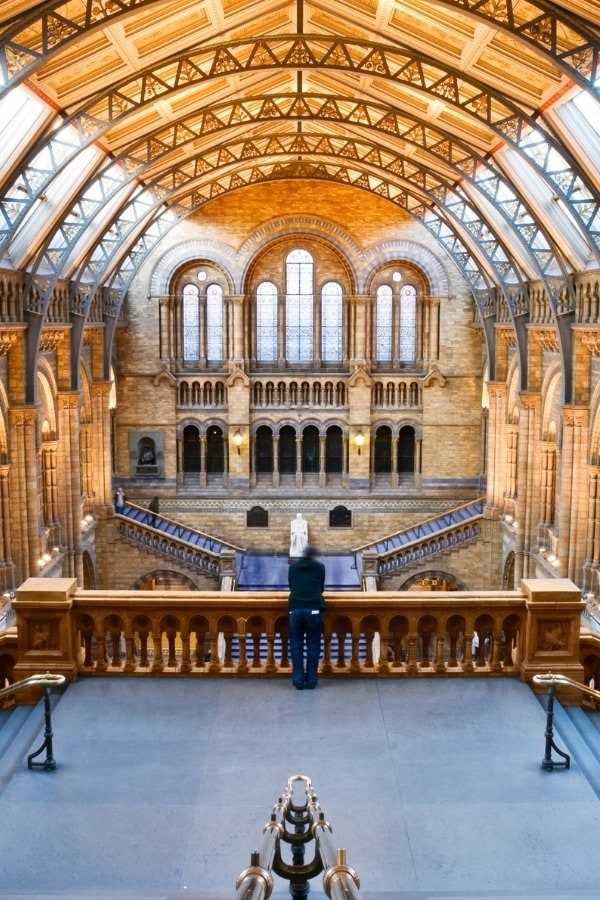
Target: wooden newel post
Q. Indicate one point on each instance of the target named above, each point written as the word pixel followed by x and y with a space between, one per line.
pixel 45 630
pixel 552 626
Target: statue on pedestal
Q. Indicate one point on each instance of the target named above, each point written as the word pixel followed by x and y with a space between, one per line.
pixel 298 535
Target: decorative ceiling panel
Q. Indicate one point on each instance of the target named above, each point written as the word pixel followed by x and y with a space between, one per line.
pixel 402 98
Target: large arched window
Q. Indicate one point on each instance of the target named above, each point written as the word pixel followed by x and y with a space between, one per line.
pixel 203 323
pixel 408 323
pixel 191 323
pixel 383 324
pixel 331 322
pixel 214 323
pixel 299 306
pixel 266 322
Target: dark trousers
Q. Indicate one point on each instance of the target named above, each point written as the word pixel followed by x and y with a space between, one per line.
pixel 305 628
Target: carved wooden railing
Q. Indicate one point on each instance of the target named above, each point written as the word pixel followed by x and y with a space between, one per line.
pixel 387 634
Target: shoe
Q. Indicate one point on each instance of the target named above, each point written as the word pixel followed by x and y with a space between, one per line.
pixel 299 687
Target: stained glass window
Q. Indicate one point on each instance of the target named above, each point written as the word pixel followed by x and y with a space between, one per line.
pixel 214 323
pixel 299 306
pixel 331 322
pixel 191 323
pixel 383 326
pixel 266 322
pixel 408 323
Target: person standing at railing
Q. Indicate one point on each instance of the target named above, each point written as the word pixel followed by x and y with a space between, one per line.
pixel 306 578
pixel 119 500
pixel 154 507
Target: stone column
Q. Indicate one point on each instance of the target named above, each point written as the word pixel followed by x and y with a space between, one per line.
pixel 592 545
pixel 496 444
pixel 202 478
pixel 433 349
pixel 237 352
pixel 299 475
pixel 25 508
pixel 548 487
pixel 101 444
pixel 573 494
pixel 322 459
pixel 275 460
pixel 50 482
pixel 8 574
pixel 528 485
pixel 70 481
pixel 359 345
pixel 394 477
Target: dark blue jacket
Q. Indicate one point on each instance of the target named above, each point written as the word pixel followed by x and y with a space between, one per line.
pixel 306 578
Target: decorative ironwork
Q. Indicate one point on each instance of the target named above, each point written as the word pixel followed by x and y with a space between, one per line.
pixel 498 113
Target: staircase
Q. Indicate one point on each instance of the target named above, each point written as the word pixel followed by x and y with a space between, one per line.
pixel 412 547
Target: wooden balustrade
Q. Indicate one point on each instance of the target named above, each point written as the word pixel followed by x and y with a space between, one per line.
pixel 207 633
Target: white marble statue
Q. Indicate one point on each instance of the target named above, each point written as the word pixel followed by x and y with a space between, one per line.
pixel 298 535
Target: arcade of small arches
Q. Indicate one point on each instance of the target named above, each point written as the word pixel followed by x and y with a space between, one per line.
pixel 292 450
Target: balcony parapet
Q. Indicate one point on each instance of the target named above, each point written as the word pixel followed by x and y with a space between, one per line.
pixel 383 634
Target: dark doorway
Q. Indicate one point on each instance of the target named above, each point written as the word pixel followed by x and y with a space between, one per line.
pixel 287 450
pixel 191 449
pixel 264 449
pixel 215 451
pixel 406 449
pixel 383 450
pixel 334 443
pixel 310 449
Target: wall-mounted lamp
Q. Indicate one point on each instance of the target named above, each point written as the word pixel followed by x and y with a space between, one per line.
pixel 359 440
pixel 238 440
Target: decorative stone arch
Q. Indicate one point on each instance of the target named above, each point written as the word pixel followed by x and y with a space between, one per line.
pixel 508 572
pixel 89 571
pixel 419 256
pixel 512 392
pixel 408 423
pixel 329 423
pixel 277 426
pixel 3 426
pixel 47 392
pixel 183 424
pixel 311 421
pixel 309 228
pixel 262 423
pixel 85 393
pixel 433 574
pixel 182 579
pixel 595 427
pixel 215 252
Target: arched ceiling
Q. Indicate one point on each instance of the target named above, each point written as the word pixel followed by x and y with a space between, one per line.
pixel 459 112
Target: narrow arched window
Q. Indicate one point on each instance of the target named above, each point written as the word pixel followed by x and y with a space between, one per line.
pixel 214 323
pixel 408 323
pixel 191 323
pixel 383 323
pixel 266 322
pixel 299 306
pixel 331 322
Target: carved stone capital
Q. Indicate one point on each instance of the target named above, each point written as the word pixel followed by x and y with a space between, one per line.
pixel 51 338
pixel 8 339
pixel 547 340
pixel 25 416
pixel 591 340
pixel 68 401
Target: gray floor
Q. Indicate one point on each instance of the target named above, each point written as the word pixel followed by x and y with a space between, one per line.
pixel 434 787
